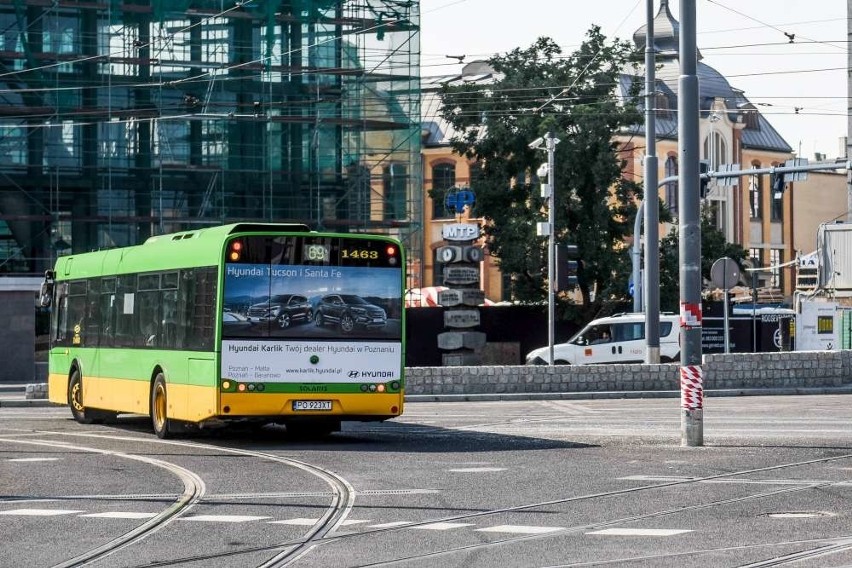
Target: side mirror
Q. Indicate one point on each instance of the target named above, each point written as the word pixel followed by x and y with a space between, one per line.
pixel 45 295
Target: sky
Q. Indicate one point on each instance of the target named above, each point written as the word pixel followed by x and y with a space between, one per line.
pixel 800 87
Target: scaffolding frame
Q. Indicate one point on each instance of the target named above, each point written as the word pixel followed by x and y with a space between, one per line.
pixel 122 120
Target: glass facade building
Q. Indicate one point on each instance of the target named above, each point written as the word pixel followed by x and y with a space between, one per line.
pixel 124 119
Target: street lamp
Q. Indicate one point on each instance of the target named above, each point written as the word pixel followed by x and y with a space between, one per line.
pixel 548 229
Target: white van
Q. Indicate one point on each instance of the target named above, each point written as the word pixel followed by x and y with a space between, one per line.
pixel 615 339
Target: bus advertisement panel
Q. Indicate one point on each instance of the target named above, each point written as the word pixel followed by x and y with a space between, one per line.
pixel 304 324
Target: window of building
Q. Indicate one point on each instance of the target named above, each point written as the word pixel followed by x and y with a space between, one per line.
pixel 755 195
pixel 394 182
pixel 662 106
pixel 715 150
pixel 443 178
pixel 775 259
pixel 13 143
pixel 672 186
pixel 756 257
pixel 777 198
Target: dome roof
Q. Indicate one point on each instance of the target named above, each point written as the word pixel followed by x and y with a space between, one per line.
pixel 712 86
pixel 666 33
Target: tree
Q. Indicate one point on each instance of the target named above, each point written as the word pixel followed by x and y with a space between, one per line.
pixel 713 247
pixel 574 96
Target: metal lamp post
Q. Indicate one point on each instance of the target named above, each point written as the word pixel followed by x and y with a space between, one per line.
pixel 550 140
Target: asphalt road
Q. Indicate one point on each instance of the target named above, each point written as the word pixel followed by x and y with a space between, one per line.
pixel 485 484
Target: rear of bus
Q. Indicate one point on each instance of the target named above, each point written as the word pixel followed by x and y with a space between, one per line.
pixel 312 329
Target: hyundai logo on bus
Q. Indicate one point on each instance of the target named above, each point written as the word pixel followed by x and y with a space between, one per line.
pixel 457 198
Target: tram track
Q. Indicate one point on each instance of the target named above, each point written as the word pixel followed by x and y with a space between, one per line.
pixel 194 490
pixel 829 546
pixel 343 496
pixel 295 549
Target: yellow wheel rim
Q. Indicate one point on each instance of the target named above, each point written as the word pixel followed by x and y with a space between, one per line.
pixel 77 397
pixel 160 406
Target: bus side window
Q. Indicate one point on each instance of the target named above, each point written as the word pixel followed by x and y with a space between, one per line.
pixel 169 327
pixel 75 323
pixel 93 315
pixel 125 309
pixel 107 311
pixel 201 316
pixel 148 310
pixel 59 320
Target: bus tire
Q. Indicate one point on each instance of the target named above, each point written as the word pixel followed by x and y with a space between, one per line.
pixel 163 426
pixel 75 398
pixel 347 323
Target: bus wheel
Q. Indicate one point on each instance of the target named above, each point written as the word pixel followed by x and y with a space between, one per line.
pixel 159 403
pixel 75 398
pixel 347 323
pixel 284 321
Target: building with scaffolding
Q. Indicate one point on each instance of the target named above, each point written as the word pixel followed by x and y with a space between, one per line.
pixel 122 119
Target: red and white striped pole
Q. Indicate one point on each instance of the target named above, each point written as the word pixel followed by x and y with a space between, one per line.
pixel 689 228
pixel 691 385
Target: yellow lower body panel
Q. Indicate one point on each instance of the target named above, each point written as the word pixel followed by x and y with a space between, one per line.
pixel 57 388
pixel 184 402
pixel 281 404
pixel 195 403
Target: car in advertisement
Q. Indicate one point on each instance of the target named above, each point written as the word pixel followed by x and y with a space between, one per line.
pixel 282 309
pixel 349 311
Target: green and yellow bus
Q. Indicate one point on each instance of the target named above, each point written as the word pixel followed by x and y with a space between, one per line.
pixel 258 322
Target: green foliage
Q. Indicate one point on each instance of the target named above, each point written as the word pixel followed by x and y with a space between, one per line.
pixel 713 247
pixel 575 97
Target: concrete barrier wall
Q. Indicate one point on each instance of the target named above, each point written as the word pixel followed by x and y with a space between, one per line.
pixel 799 369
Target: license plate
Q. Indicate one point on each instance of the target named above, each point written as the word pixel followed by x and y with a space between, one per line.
pixel 311 405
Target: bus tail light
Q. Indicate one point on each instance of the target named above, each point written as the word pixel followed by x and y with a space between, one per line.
pixel 235 251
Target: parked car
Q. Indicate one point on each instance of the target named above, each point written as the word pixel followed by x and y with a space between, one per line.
pixel 349 311
pixel 615 339
pixel 283 309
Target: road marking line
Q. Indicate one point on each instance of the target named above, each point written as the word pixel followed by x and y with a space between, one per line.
pixel 121 515
pixel 522 529
pixel 223 518
pixel 639 532
pixel 477 469
pixel 352 522
pixel 33 459
pixel 298 521
pixel 390 525
pixel 442 526
pixel 39 512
